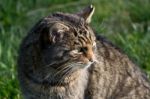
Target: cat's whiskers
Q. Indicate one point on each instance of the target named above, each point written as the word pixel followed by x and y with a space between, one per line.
pixel 63 69
pixel 54 74
pixel 66 72
pixel 48 65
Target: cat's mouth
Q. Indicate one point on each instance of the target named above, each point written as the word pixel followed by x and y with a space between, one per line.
pixel 86 65
pixel 89 64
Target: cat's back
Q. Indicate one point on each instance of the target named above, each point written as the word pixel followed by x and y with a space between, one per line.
pixel 115 76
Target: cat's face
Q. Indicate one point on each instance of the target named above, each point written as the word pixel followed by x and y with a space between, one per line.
pixel 68 41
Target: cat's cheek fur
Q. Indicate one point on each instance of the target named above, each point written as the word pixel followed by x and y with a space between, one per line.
pixel 83 59
pixel 79 58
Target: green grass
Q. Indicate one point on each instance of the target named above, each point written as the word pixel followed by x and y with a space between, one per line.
pixel 111 19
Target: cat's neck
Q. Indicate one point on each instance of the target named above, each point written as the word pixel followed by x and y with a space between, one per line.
pixel 75 89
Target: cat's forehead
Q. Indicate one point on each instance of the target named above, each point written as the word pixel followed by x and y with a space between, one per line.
pixel 71 24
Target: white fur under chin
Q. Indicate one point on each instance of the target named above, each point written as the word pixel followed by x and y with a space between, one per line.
pixel 78 88
pixel 82 81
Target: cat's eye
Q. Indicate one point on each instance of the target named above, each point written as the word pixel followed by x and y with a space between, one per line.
pixel 83 49
pixel 80 50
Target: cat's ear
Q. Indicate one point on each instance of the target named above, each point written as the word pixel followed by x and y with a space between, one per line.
pixel 56 32
pixel 87 13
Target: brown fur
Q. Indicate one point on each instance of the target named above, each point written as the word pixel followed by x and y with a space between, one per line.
pixel 61 58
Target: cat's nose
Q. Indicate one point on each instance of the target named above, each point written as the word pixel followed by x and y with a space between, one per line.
pixel 91 56
pixel 91 60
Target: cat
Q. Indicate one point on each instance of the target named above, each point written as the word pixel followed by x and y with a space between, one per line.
pixel 63 58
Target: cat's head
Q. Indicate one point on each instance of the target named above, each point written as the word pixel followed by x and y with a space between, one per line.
pixel 66 40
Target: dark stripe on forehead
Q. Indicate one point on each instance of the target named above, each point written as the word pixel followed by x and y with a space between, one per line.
pixel 81 41
pixel 90 39
pixel 85 38
pixel 82 37
pixel 87 35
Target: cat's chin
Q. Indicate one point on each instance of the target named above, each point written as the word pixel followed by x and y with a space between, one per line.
pixel 88 65
pixel 85 65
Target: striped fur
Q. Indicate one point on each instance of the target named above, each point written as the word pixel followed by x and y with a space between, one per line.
pixel 61 58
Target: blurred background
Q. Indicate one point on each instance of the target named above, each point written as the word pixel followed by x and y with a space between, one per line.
pixel 125 22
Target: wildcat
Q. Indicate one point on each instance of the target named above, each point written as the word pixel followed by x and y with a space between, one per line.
pixel 62 58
